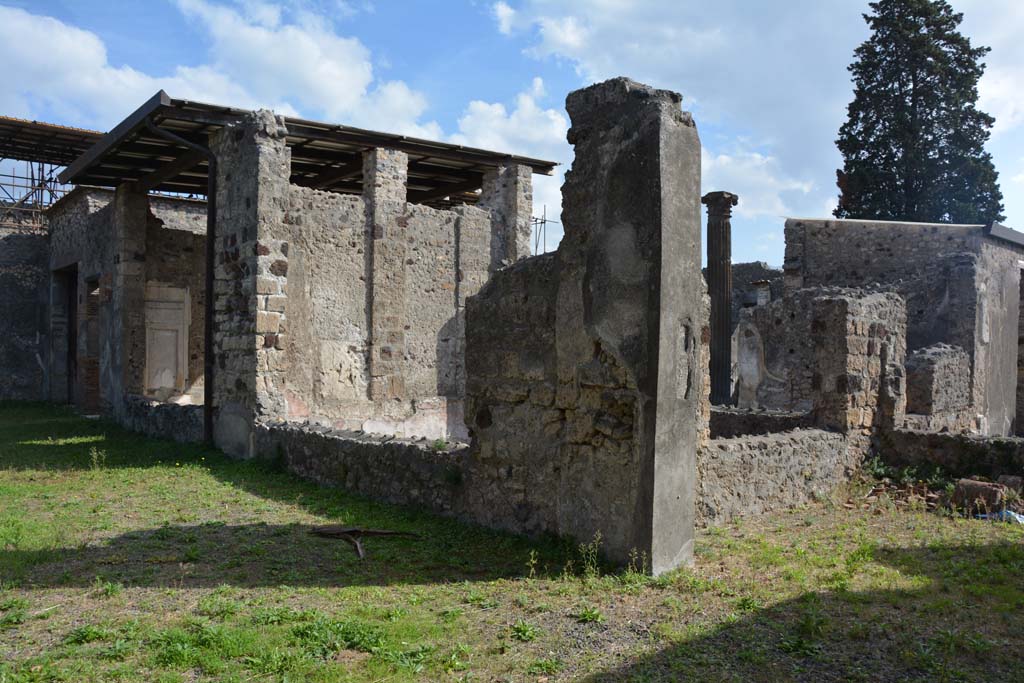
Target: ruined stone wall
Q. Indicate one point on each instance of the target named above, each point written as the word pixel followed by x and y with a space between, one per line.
pixel 178 258
pixel 80 237
pixel 959 455
pixel 399 471
pixel 960 286
pixel 174 213
pixel 995 340
pixel 115 247
pixel 24 294
pixel 181 423
pixel 253 167
pixel 744 293
pixel 727 423
pixel 859 383
pixel 931 266
pixel 939 388
pixel 751 475
pixel 329 307
pixel 584 369
pixel 775 354
pixel 326 304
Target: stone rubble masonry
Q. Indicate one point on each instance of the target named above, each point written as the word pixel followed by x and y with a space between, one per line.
pixel 961 288
pixel 252 192
pixel 398 471
pixel 508 191
pixel 938 388
pixel 24 283
pixel 752 475
pixel 181 423
pixel 727 423
pixel 859 385
pixel 584 368
pixel 959 455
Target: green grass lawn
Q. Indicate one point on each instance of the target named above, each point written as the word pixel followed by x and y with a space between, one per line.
pixel 130 559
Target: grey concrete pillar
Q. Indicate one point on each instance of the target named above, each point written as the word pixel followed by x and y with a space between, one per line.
pixel 720 289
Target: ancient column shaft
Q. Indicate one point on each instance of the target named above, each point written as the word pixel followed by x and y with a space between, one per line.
pixel 720 289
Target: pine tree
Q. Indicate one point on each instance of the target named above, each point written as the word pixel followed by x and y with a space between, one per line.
pixel 913 144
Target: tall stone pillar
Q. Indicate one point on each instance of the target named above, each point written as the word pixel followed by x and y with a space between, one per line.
pixel 508 192
pixel 124 364
pixel 630 312
pixel 250 280
pixel 384 177
pixel 720 289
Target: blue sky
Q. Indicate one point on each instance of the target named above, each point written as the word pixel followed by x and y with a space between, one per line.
pixel 766 81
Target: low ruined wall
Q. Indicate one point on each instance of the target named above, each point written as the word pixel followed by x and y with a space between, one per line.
pixel 752 475
pixel 960 455
pixel 182 423
pixel 727 423
pixel 24 291
pixel 399 471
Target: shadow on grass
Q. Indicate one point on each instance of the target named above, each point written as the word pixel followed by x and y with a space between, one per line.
pixel 963 620
pixel 46 437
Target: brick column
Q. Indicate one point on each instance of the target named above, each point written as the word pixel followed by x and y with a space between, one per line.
pixel 720 289
pixel 384 176
pixel 127 357
pixel 250 286
pixel 508 192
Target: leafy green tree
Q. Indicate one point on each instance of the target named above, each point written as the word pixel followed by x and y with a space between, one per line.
pixel 913 144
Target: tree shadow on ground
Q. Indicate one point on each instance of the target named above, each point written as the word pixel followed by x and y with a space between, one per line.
pixel 962 619
pixel 54 439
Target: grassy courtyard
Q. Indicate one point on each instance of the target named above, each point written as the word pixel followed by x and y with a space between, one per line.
pixel 130 559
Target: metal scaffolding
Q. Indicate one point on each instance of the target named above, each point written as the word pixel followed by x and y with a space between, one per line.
pixel 27 189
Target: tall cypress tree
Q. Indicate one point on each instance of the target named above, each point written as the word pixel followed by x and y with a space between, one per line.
pixel 913 144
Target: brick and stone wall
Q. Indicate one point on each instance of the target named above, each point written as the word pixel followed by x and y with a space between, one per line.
pixel 24 284
pixel 751 475
pixel 584 369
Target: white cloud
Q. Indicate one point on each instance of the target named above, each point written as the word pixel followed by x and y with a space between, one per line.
pixel 758 179
pixel 258 57
pixel 504 15
pixel 527 130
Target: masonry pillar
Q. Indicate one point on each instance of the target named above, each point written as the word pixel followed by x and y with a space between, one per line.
pixel 629 271
pixel 125 360
pixel 720 288
pixel 250 281
pixel 508 192
pixel 384 177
